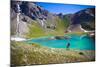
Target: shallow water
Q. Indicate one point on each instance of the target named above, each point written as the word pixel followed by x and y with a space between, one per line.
pixel 76 42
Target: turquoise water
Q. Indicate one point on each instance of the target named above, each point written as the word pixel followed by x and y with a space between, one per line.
pixel 76 42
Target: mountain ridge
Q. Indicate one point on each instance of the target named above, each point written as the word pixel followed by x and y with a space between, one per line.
pixel 31 14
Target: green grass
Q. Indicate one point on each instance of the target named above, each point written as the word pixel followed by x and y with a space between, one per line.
pixel 77 33
pixel 35 30
pixel 30 54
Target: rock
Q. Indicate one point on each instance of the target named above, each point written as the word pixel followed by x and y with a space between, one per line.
pixel 61 37
pixel 28 13
pixel 75 28
pixel 81 53
pixel 86 18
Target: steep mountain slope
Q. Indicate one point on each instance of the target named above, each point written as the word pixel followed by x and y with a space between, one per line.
pixel 86 18
pixel 83 20
pixel 29 19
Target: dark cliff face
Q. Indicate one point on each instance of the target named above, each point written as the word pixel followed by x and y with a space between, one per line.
pixel 86 18
pixel 86 15
pixel 29 9
pixel 33 11
pixel 28 13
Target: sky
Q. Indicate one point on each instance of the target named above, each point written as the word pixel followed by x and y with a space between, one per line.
pixel 63 8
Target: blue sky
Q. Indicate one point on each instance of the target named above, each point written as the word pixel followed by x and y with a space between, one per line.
pixel 63 8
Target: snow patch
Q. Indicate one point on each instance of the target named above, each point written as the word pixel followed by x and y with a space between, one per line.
pixel 18 39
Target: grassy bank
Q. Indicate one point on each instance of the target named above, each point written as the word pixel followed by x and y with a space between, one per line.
pixel 36 30
pixel 26 54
